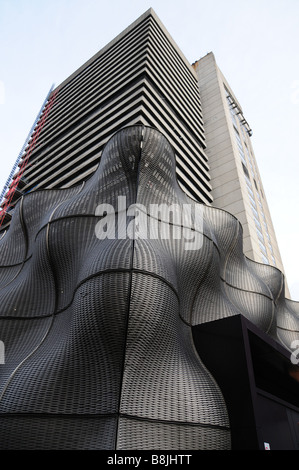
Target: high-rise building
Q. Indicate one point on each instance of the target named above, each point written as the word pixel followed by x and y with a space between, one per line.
pixel 194 107
pixel 235 178
pixel 119 338
pixel 152 84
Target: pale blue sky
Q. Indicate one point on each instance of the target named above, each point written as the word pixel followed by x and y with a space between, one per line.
pixel 256 46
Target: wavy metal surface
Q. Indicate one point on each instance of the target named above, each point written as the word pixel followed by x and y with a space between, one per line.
pixel 98 332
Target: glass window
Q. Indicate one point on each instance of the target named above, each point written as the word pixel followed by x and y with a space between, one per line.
pixel 255 213
pixel 264 259
pixel 251 194
pixel 245 170
pixel 257 224
pixel 252 200
pixel 260 235
pixel 263 248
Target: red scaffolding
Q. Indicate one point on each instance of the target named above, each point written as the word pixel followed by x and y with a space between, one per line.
pixel 16 179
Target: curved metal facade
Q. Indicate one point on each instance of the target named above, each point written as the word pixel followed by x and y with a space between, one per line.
pixel 98 331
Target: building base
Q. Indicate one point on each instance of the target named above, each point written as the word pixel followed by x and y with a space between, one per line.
pixel 258 380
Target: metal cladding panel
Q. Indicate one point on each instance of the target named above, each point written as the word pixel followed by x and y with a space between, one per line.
pixel 97 312
pixel 59 432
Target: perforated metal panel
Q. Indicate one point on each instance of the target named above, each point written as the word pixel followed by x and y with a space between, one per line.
pixel 98 332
